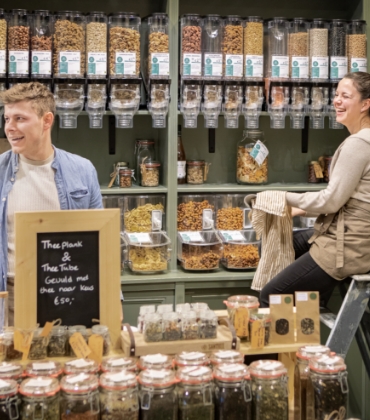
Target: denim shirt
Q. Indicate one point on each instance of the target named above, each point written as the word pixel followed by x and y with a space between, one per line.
pixel 77 185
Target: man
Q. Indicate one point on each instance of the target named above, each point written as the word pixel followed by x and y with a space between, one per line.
pixel 35 175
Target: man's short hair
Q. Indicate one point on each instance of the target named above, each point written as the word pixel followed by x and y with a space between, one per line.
pixel 40 97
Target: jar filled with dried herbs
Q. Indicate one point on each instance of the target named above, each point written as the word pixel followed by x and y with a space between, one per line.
pixel 9 400
pixel 145 309
pixel 79 398
pixel 155 362
pixel 10 352
pixel 189 326
pixel 226 356
pixel 195 391
pixel 191 358
pixel 11 371
pixel 328 387
pixel 158 397
pixel 104 332
pixel 171 326
pixel 233 394
pixel 301 372
pixel 39 346
pixel 71 330
pixel 40 398
pixel 118 363
pixel 57 342
pixel 87 366
pixel 47 368
pixel 153 328
pixel 119 396
pixel 208 322
pixel 239 309
pixel 269 390
pixel 265 323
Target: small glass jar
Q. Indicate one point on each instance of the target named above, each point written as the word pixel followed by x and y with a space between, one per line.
pixel 155 362
pixel 233 394
pixel 40 398
pixel 150 174
pixel 189 326
pixel 9 400
pixel 199 307
pixel 226 356
pixel 86 366
pixel 19 43
pixel 315 174
pixel 328 386
pixel 208 322
pixel 39 346
pixel 79 397
pixel 57 342
pixel 11 371
pixel 96 45
pixel 171 326
pixel 252 160
pixel 125 178
pixel 195 391
pixel 10 352
pixel 71 330
pixel 269 390
pixel 158 396
pixel 104 332
pixel 265 320
pixel 357 46
pixel 42 30
pixel 116 168
pixel 119 396
pixel 327 165
pixel 47 368
pixel 195 171
pixel 153 328
pixel 239 309
pixel 145 309
pixel 118 363
pixel 191 358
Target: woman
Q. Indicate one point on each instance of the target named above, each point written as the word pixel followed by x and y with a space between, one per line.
pixel 340 245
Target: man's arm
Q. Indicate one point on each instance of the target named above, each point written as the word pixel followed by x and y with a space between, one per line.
pixel 96 201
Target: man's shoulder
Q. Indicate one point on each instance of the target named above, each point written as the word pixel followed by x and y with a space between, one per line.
pixel 5 157
pixel 72 159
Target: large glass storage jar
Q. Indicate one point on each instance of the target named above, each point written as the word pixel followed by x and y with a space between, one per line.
pixel 79 397
pixel 85 366
pixel 269 390
pixel 149 173
pixel 103 331
pixel 145 153
pixel 252 160
pixel 239 309
pixel 69 44
pixel 71 330
pixel 191 358
pixel 119 396
pixel 124 44
pixel 159 47
pixel 298 49
pixel 328 387
pixel 318 48
pixel 11 370
pixel 51 369
pixel 357 46
pixel 338 49
pixel 233 47
pixel 19 43
pixel 96 45
pixel 9 400
pixel 117 364
pixel 191 46
pixel 40 398
pixel 144 213
pixel 226 357
pixel 212 46
pixel 199 250
pixel 39 346
pixel 233 395
pixel 195 212
pixel 158 397
pixel 42 31
pixel 231 212
pixel 240 249
pixel 253 48
pixel 153 329
pixel 3 42
pixel 57 342
pixel 301 373
pixel 155 362
pixel 195 391
pixel 278 58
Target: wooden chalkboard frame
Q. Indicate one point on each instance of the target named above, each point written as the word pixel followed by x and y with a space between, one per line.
pixel 29 224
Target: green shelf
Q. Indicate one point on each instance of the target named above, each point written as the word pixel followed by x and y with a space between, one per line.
pixel 236 188
pixel 135 189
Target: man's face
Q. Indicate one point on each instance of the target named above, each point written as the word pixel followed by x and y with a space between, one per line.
pixel 25 130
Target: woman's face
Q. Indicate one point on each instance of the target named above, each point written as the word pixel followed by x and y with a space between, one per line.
pixel 348 104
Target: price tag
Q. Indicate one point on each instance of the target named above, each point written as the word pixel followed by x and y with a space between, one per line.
pixel 47 329
pixel 43 366
pixel 96 343
pixel 140 237
pixel 259 152
pixel 275 299
pixel 302 296
pixel 232 235
pixel 79 346
pixel 257 335
pixel 22 342
pixel 241 322
pixel 191 237
pixel 318 170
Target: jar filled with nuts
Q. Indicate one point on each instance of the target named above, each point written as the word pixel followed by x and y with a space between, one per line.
pixel 318 48
pixel 96 45
pixel 42 31
pixel 124 44
pixel 357 46
pixel 233 47
pixel 125 178
pixel 196 171
pixel 191 46
pixel 69 44
pixel 19 43
pixel 159 49
pixel 298 49
pixel 253 48
pixel 3 38
pixel 150 174
pixel 212 47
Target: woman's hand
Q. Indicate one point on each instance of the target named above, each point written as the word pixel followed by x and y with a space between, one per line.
pixel 298 212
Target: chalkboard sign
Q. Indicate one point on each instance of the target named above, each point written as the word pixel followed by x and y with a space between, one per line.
pixel 68 277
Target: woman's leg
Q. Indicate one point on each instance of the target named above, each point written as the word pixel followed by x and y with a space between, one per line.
pixel 300 241
pixel 302 275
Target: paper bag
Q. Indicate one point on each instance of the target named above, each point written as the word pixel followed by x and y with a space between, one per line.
pixel 282 319
pixel 307 317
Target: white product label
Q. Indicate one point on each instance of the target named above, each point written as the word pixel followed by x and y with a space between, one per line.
pixel 97 63
pixel 234 65
pixel 79 378
pixel 338 67
pixel 43 366
pixel 302 296
pixel 80 363
pixel 2 61
pixel 181 169
pixel 192 65
pixel 280 66
pixel 193 355
pixel 270 365
pixel 18 62
pixel 7 367
pixel 156 220
pixel 120 377
pixel 199 371
pixel 232 235
pixel 160 64
pixel 120 362
pixel 155 358
pixel 254 66
pixel 358 64
pixel 41 62
pixel 299 68
pixel 207 219
pixel 226 354
pixel 315 349
pixel 70 62
pixel 275 299
pixel 191 237
pixel 140 237
pixel 157 374
pixel 39 382
pixel 259 152
pixel 3 384
pixel 233 368
pixel 319 67
pixel 212 65
pixel 125 63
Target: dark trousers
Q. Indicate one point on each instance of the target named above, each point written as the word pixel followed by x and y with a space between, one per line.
pixel 302 275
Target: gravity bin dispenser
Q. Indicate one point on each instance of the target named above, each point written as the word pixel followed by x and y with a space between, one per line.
pixel 191 97
pixel 159 100
pixel 319 102
pixel 96 101
pixel 330 110
pixel 69 97
pixel 124 100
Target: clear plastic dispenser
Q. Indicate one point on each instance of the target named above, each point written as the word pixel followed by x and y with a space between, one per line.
pixel 319 101
pixel 124 100
pixel 338 49
pixel 240 249
pixel 211 105
pixel 195 212
pixel 357 46
pixel 319 52
pixel 191 97
pixel 233 47
pixel 298 50
pixel 278 104
pixel 212 37
pixel 278 59
pixel 158 46
pixel 159 102
pixel 3 42
pixel 96 101
pixel 232 105
pixel 69 97
pixel 96 45
pixel 330 110
pixel 232 213
pixel 191 46
pixel 253 101
pixel 42 31
pixel 298 108
pixel 253 49
pixel 19 43
pixel 2 89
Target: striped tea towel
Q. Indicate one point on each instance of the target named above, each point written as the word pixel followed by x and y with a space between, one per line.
pixel 272 220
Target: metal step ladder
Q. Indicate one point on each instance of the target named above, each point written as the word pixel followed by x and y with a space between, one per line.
pixel 352 320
